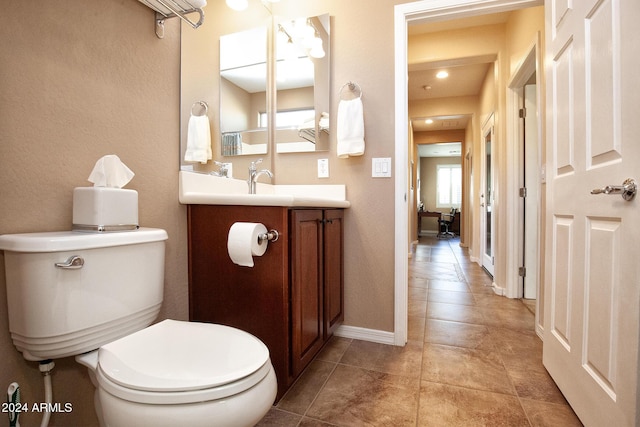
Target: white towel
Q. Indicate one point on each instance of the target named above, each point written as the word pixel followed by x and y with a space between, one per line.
pixel 350 128
pixel 198 140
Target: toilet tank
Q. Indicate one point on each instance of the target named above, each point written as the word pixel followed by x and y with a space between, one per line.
pixel 113 286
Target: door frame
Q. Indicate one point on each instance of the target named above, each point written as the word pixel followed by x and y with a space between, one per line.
pixel 487 200
pixel 530 65
pixel 422 11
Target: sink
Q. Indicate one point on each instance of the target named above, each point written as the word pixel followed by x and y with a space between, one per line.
pixel 203 189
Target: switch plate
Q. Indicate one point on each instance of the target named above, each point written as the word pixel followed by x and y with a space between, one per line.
pixel 381 167
pixel 323 168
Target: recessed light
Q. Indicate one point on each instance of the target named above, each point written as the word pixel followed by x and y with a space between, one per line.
pixel 442 74
pixel 428 121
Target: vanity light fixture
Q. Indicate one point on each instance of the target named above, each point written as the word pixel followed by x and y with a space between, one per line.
pixel 301 35
pixel 316 50
pixel 442 74
pixel 241 5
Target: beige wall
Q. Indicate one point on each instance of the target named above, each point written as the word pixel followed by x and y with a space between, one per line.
pixel 80 80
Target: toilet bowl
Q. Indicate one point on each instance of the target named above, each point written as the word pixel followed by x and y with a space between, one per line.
pixel 94 295
pixel 182 373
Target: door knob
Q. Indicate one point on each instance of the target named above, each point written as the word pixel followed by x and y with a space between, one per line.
pixel 627 190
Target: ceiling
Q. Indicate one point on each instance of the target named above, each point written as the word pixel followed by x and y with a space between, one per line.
pixel 443 149
pixel 466 75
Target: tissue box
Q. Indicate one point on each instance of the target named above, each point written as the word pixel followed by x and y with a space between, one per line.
pixel 104 209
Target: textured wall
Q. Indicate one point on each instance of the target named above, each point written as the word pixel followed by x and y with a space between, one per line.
pixel 80 80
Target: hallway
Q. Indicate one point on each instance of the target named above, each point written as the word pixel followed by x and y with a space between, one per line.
pixel 472 359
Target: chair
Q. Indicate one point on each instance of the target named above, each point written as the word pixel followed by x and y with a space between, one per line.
pixel 444 223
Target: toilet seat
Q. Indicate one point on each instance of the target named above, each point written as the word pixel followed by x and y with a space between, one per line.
pixel 180 362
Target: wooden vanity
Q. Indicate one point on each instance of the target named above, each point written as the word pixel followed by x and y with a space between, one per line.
pixel 292 299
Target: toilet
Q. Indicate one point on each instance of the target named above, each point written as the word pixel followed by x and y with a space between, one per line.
pixel 94 295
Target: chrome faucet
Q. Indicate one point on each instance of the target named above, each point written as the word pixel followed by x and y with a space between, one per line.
pixel 223 172
pixel 254 174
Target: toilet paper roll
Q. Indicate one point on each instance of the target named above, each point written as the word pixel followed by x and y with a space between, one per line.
pixel 243 242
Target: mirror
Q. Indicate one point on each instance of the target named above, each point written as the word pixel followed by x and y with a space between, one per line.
pixel 302 83
pixel 243 92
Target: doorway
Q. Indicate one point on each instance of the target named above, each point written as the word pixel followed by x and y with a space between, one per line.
pixel 487 219
pixel 525 126
pixel 423 12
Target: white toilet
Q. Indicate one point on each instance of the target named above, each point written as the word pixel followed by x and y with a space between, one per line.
pixel 94 295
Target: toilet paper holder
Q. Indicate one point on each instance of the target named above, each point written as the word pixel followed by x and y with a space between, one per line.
pixel 271 236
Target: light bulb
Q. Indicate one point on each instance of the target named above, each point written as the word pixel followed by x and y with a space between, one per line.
pixel 316 48
pixel 238 5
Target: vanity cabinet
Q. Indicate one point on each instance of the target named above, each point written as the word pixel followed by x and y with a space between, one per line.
pixel 316 281
pixel 292 299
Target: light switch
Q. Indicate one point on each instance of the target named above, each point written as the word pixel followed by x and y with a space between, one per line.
pixel 381 167
pixel 323 168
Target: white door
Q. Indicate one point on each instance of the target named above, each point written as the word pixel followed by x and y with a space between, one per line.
pixel 486 198
pixel 592 284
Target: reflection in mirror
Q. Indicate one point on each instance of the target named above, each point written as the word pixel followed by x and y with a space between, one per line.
pixel 302 83
pixel 243 89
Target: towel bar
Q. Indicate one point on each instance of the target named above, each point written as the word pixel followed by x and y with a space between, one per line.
pixel 203 105
pixel 166 9
pixel 354 89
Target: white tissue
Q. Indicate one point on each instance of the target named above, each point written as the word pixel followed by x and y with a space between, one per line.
pixel 109 171
pixel 243 242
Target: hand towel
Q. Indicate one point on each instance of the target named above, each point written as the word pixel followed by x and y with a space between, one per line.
pixel 198 140
pixel 350 128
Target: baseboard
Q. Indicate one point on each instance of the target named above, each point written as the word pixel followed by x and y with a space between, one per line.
pixel 497 289
pixel 364 334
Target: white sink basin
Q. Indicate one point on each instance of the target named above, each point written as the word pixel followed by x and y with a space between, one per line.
pixel 203 189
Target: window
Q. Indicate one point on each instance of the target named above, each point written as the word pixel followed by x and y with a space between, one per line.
pixel 289 118
pixel 449 186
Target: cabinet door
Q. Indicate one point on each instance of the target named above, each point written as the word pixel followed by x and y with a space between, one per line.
pixel 307 324
pixel 333 270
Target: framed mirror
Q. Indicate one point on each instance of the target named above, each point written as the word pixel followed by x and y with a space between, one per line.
pixel 302 84
pixel 243 92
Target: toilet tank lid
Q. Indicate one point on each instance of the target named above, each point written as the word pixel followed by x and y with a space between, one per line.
pixel 58 241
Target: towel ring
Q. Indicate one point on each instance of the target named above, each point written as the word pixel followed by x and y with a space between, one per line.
pixel 354 91
pixel 203 105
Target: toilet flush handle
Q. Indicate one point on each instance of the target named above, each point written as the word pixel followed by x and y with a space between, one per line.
pixel 74 262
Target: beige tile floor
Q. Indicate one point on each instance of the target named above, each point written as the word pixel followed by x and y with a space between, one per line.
pixel 472 359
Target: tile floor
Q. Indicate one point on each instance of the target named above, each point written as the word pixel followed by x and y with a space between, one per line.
pixel 472 359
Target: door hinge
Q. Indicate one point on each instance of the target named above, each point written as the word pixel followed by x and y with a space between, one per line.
pixel 522 113
pixel 522 271
pixel 523 192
